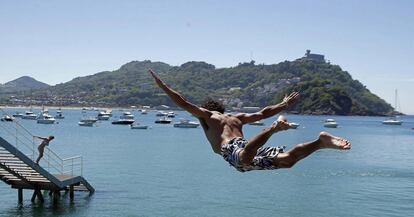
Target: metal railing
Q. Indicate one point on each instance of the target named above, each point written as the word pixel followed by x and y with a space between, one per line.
pixel 25 142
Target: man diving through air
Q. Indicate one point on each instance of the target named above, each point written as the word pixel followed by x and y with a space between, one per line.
pixel 224 132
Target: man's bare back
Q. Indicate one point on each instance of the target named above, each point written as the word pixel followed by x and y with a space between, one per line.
pixel 220 129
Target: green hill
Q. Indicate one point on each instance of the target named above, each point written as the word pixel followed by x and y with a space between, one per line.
pixel 324 88
pixel 23 83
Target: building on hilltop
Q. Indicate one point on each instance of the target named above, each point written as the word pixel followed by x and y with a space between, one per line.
pixel 318 58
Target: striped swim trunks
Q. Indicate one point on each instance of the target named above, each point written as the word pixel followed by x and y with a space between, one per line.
pixel 262 161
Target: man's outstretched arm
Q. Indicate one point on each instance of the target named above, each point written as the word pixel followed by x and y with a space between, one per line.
pixel 268 111
pixel 180 100
pixel 43 138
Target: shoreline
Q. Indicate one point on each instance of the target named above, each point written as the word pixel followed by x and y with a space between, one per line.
pixel 88 108
pixel 154 109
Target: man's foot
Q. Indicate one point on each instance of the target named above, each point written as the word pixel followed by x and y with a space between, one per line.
pixel 329 141
pixel 281 124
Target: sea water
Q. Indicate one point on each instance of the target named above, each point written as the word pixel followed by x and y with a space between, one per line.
pixel 167 171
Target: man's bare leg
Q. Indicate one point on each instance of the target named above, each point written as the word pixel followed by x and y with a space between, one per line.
pixel 38 158
pixel 250 150
pixel 40 155
pixel 297 153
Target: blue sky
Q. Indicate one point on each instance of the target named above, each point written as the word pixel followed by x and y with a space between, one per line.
pixel 55 41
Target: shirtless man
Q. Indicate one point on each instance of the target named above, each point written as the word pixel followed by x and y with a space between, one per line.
pixel 41 148
pixel 224 132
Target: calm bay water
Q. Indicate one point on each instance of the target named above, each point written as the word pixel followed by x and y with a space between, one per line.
pixel 165 171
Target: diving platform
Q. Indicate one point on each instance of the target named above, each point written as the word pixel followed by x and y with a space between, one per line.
pixel 19 170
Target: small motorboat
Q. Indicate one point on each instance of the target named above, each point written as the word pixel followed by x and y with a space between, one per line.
pixel 45 118
pixel 171 114
pixel 138 127
pixel 59 115
pixel 18 115
pixel 184 123
pixel 103 116
pixel 144 112
pixel 7 118
pixel 161 113
pixel 85 124
pixel 330 123
pixel 29 115
pixel 127 115
pixel 392 121
pixel 107 112
pixel 163 120
pixel 123 121
pixel 257 123
pixel 89 119
pixel 294 125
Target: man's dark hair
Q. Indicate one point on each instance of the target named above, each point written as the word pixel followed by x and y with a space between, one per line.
pixel 213 105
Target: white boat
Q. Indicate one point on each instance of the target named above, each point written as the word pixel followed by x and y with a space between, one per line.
pixel 89 119
pixel 294 125
pixel 330 123
pixel 7 118
pixel 393 120
pixel 257 123
pixel 163 120
pixel 85 124
pixel 59 114
pixel 138 127
pixel 127 115
pixel 106 112
pixel 45 118
pixel 171 114
pixel 144 112
pixel 161 113
pixel 103 116
pixel 184 123
pixel 29 115
pixel 18 115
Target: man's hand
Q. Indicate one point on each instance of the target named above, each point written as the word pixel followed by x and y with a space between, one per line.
pixel 291 99
pixel 157 79
pixel 153 73
pixel 180 100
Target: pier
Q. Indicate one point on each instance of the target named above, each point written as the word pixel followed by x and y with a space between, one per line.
pixel 18 151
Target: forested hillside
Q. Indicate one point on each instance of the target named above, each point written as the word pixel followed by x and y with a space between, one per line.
pixel 324 88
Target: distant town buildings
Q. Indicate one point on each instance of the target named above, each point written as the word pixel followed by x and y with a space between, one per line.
pixel 273 87
pixel 319 58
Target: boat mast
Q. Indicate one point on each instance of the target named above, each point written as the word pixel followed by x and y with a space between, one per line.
pixel 395 100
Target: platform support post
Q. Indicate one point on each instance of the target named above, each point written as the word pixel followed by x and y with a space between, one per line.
pixel 40 195
pixel 56 196
pixel 37 193
pixel 71 192
pixel 20 195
